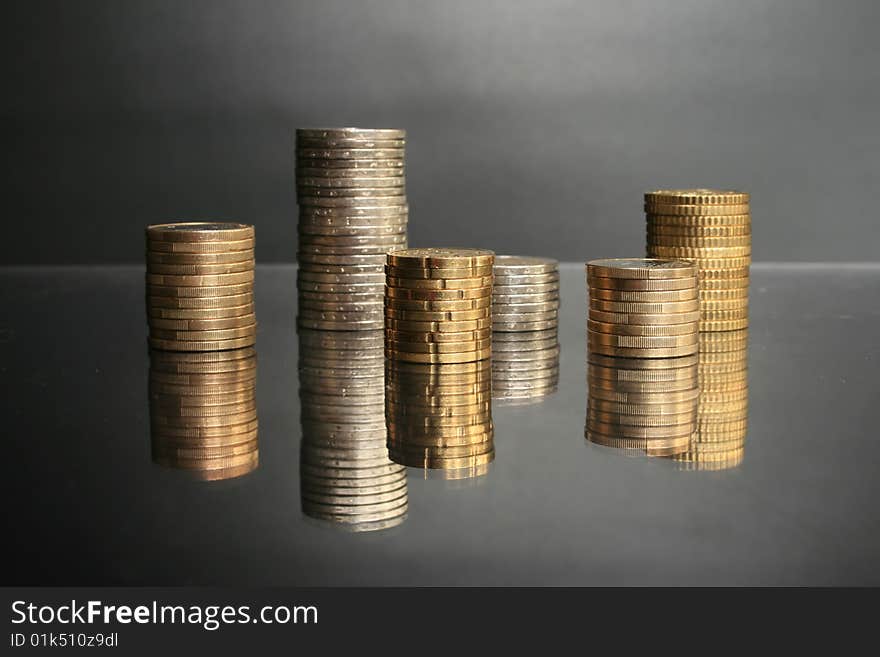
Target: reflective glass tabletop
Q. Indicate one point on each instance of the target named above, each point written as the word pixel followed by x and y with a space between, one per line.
pixel 89 506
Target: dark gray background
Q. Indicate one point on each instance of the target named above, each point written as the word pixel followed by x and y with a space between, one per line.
pixel 534 126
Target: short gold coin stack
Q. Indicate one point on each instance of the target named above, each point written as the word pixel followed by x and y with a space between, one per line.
pixel 525 351
pixel 438 305
pixel 642 345
pixel 200 309
pixel 440 416
pixel 346 477
pixel 351 193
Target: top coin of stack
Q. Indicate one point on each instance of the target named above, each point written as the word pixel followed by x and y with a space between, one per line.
pixel 200 286
pixel 712 228
pixel 525 296
pixel 438 305
pixel 350 185
pixel 642 352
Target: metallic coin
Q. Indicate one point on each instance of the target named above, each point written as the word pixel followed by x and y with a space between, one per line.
pixel 530 368
pixel 443 258
pixel 200 280
pixel 643 296
pixel 196 373
pixel 357 142
pixel 223 439
pixel 698 232
pixel 647 433
pixel 641 285
pixel 665 397
pixel 422 287
pixel 199 259
pixel 441 452
pixel 499 300
pixel 717 262
pixel 458 357
pixel 652 447
pixel 713 277
pixel 362 214
pixel 306 172
pixel 190 325
pixel 449 273
pixel 200 231
pixel 646 330
pixel 177 292
pixel 438 315
pixel 644 319
pixel 737 243
pixel 439 347
pixel 653 352
pixel 348 153
pixel 470 369
pixel 434 294
pixel 526 279
pixel 307 195
pixel 358 277
pixel 535 311
pixel 640 268
pixel 340 310
pixel 700 252
pixel 712 305
pixel 698 209
pixel 194 345
pixel 348 325
pixel 524 325
pixel 200 270
pixel 740 294
pixel 643 342
pixel 499 348
pixel 350 133
pixel 320 181
pixel 696 197
pixel 347 259
pixel 525 336
pixel 215 334
pixel 435 337
pixel 314 243
pixel 509 293
pixel 176 451
pixel 418 461
pixel 394 303
pixel 158 246
pixel 595 381
pixel 617 419
pixel 328 233
pixel 312 289
pixel 154 312
pixel 508 264
pixel 635 307
pixel 603 360
pixel 208 390
pixel 226 419
pixel 307 204
pixel 251 459
pixel 657 219
pixel 525 355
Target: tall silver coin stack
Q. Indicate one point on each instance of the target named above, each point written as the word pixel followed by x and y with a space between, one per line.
pixel 346 477
pixel 525 318
pixel 350 185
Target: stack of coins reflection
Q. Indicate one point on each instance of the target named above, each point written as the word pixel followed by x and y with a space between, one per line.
pixel 722 416
pixel 525 316
pixel 712 228
pixel 200 286
pixel 352 211
pixel 643 346
pixel 203 415
pixel 346 476
pixel 439 416
pixel 200 309
pixel 438 305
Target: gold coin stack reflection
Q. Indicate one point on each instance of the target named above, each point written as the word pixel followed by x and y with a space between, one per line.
pixel 346 477
pixel 200 309
pixel 525 350
pixel 722 415
pixel 642 345
pixel 203 415
pixel 439 416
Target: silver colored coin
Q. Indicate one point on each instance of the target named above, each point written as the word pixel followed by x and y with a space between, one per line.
pixel 525 336
pixel 524 290
pixel 343 173
pixel 505 299
pixel 326 325
pixel 340 288
pixel 499 348
pixel 308 195
pixel 524 265
pixel 503 310
pixel 528 279
pixel 354 259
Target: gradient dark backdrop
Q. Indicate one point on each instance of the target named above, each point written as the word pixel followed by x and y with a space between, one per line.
pixel 533 126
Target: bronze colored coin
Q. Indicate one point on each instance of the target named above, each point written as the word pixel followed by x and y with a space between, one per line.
pixel 644 296
pixel 703 263
pixel 603 360
pixel 216 334
pixel 658 447
pixel 641 285
pixel 635 307
pixel 640 268
pixel 422 285
pixel 200 270
pixel 349 153
pixel 199 345
pixel 433 294
pixel 698 209
pixel 459 357
pixel 435 337
pixel 437 316
pixel 401 412
pixel 439 441
pixel 666 397
pixel 309 194
pixel 700 196
pixel 699 232
pixel 685 420
pixel 736 294
pixel 733 314
pixel 420 461
pixel 661 219
pixel 439 347
pixel 646 330
pixel 452 273
pixel 350 133
pixel 722 275
pixel 700 252
pixel 442 452
pixel 647 433
pixel 193 452
pixel 721 305
pixel 621 376
pixel 191 421
pixel 200 231
pixel 439 371
pixel 251 458
pixel 199 259
pixel 679 241
pixel 653 352
pixel 220 405
pixel 395 303
pixel 642 318
pixel 328 173
pixel 200 291
pixel 642 341
pixel 157 246
pixel 727 284
pixel 240 356
pixel 203 324
pixel 358 142
pixel 528 265
pixel 200 280
pixel 444 258
pixel 223 439
pixel 595 381
pixel 243 385
pixel 724 339
pixel 159 313
pixel 524 325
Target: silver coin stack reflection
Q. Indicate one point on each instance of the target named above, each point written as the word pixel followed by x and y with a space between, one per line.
pixel 350 185
pixel 346 477
pixel 525 318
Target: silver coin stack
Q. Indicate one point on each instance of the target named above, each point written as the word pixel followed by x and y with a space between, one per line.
pixel 350 185
pixel 525 318
pixel 346 477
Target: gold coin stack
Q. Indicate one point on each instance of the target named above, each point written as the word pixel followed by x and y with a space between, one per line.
pixel 723 412
pixel 346 477
pixel 712 228
pixel 352 211
pixel 200 286
pixel 642 341
pixel 439 416
pixel 525 318
pixel 203 416
pixel 438 305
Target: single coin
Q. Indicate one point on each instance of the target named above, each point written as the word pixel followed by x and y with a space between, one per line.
pixel 203 324
pixel 638 308
pixel 530 265
pixel 640 268
pixel 194 345
pixel 700 196
pixel 547 309
pixel 721 262
pixel 739 310
pixel 362 214
pixel 437 316
pixel 429 273
pixel 323 182
pixel 215 334
pixel 434 294
pixel 308 279
pixel 712 305
pixel 350 133
pixel 200 280
pixel 446 258
pixel 699 209
pixel 642 318
pixel 642 296
pixel 688 361
pixel 723 273
pixel 661 219
pixel 652 447
pixel 594 380
pixel 698 232
pixel 654 409
pixel 526 279
pixel 406 286
pixel 374 259
pixel 501 347
pixel 178 292
pixel 226 419
pixel 652 352
pixel 643 342
pixel 641 285
pixel 200 231
pixel 700 252
pixel 394 303
pixel 388 230
pixel 524 325
pixel 643 329
pixel 305 172
pixel 158 246
pixel 451 464
pixel 735 294
pixel 353 289
pixel 306 195
pixel 243 310
pixel 240 357
pixel 550 290
pixel 348 153
pixel 617 419
pixel 340 325
pixel 459 357
pixel 664 397
pixel 358 142
pixel 708 285
pixel 439 371
pixel 308 204
pixel 313 243
pixel 525 355
pixel 200 270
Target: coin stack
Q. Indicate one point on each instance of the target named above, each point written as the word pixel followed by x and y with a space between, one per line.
pixel 438 305
pixel 203 415
pixel 439 416
pixel 352 210
pixel 642 340
pixel 200 286
pixel 713 229
pixel 525 350
pixel 346 477
pixel 722 415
